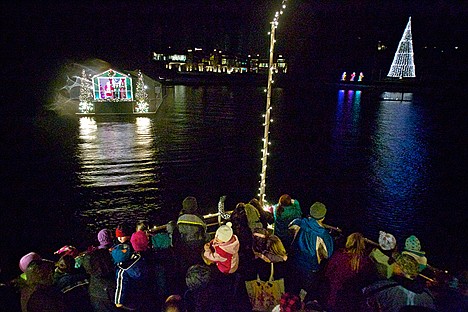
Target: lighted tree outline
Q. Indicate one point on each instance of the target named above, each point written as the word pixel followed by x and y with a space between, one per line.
pixel 141 97
pixel 403 61
pixel 86 105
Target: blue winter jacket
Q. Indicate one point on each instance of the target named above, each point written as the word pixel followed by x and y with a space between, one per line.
pixel 304 253
pixel 132 281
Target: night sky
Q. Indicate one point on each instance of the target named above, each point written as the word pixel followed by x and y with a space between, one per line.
pixel 317 37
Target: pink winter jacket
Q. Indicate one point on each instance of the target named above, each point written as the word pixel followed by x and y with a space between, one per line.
pixel 225 255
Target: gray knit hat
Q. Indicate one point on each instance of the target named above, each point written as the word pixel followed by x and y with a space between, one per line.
pixel 318 210
pixel 189 205
pixel 386 241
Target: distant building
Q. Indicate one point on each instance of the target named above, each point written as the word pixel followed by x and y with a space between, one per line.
pixel 198 60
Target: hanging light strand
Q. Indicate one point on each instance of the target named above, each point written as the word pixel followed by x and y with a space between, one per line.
pixel 267 115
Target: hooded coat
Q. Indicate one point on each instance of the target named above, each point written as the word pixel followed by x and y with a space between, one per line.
pixel 304 246
pixel 132 280
pixel 393 294
pixel 225 255
pixel 282 221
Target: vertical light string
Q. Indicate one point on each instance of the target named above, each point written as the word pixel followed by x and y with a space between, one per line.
pixel 268 120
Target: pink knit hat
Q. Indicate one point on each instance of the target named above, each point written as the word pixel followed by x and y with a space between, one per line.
pixel 26 260
pixel 139 241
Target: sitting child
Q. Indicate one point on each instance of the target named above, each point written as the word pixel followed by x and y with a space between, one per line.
pixel 223 249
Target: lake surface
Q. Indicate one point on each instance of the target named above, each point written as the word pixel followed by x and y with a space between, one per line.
pixel 396 166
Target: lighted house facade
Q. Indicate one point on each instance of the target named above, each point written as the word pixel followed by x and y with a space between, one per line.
pixel 112 86
pixel 114 92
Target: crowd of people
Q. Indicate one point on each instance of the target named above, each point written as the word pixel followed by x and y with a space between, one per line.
pixel 183 267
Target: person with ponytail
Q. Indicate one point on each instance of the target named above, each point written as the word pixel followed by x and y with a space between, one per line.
pixel 345 274
pixel 284 212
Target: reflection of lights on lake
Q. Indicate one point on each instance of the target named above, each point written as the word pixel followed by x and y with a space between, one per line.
pixel 143 123
pixel 116 153
pixel 87 127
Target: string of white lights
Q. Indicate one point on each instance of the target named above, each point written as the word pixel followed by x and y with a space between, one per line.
pixel 267 115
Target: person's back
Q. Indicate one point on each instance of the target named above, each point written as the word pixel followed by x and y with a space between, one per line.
pixel 312 244
pixel 345 274
pixel 284 213
pixel 42 295
pixel 310 239
pixel 73 283
pixel 98 264
pixel 191 226
pixel 382 257
pixel 403 289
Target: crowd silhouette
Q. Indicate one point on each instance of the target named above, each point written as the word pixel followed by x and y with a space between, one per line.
pixel 182 266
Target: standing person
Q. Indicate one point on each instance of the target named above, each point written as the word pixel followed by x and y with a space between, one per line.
pixel 240 228
pixel 192 227
pixel 265 217
pixel 403 289
pixel 105 239
pixel 223 250
pixel 345 274
pixel 73 283
pixel 383 257
pixel 285 211
pixel 312 244
pixel 41 294
pixel 123 232
pixel 98 264
pixel 132 276
pixel 201 294
pixel 192 234
pixel 413 248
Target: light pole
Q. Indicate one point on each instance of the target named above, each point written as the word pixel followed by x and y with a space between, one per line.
pixel 268 120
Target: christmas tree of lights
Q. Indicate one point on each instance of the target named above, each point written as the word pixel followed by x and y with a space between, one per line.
pixel 86 95
pixel 141 96
pixel 403 61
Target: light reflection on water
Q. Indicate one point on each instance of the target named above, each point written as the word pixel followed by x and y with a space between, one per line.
pixel 117 161
pixel 399 164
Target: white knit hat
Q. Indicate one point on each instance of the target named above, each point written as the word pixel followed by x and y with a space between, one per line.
pixel 387 241
pixel 224 232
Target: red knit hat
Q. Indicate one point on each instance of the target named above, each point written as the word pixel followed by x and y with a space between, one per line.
pixel 124 230
pixel 139 241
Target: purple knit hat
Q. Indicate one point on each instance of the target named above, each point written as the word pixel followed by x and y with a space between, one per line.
pixel 26 260
pixel 105 238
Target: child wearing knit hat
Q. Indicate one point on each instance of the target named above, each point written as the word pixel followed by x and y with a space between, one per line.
pixel 123 232
pixel 383 256
pixel 223 250
pixel 413 249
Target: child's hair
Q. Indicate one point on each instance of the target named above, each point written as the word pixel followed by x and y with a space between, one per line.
pixel 284 201
pixel 174 303
pixel 142 225
pixel 355 246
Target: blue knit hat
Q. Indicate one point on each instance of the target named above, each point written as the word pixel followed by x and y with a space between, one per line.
pixel 121 252
pixel 412 244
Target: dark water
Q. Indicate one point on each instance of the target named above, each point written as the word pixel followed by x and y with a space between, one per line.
pixel 397 166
